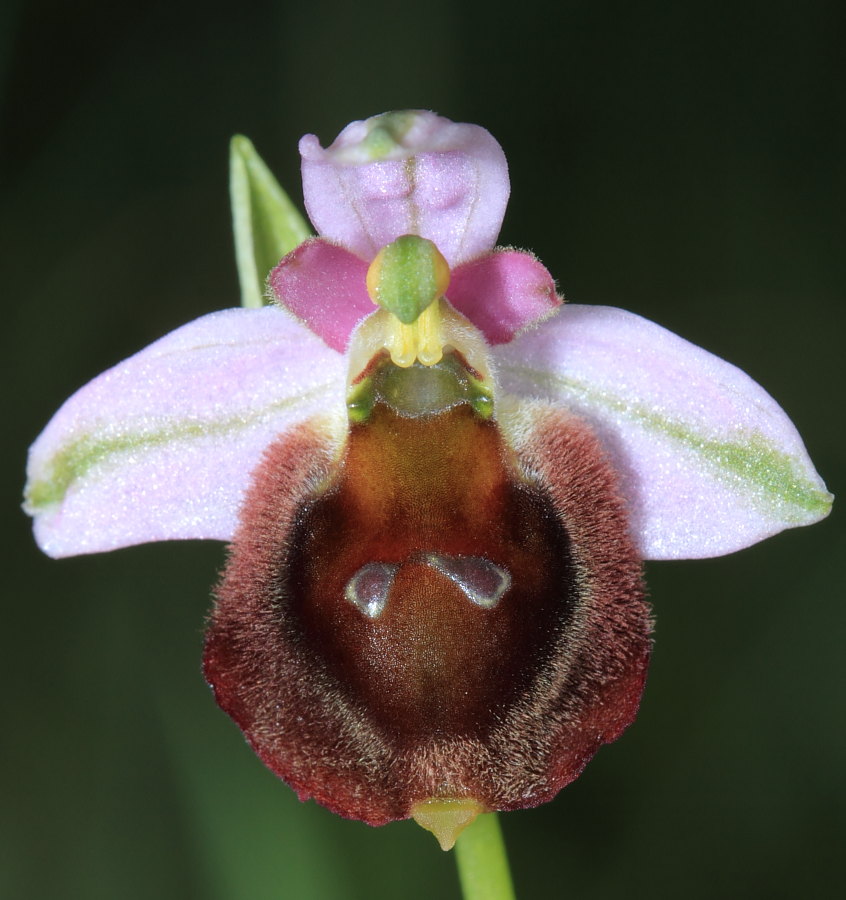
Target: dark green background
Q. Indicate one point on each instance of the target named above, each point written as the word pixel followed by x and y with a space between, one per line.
pixel 685 161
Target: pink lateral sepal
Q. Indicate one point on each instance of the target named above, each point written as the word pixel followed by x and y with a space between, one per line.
pixel 323 285
pixel 708 461
pixel 161 446
pixel 503 292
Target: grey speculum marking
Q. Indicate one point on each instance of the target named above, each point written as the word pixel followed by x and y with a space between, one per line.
pixel 480 580
pixel 368 589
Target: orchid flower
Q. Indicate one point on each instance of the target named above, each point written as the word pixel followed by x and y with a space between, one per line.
pixel 438 485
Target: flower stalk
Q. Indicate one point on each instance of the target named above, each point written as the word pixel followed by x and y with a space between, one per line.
pixel 482 861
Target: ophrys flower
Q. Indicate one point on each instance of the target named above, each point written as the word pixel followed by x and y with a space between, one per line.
pixel 437 505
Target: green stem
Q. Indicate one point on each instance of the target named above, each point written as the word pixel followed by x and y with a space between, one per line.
pixel 482 861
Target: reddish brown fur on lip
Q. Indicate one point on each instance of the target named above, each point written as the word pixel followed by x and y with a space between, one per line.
pixel 437 696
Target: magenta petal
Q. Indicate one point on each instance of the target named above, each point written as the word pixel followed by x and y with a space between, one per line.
pixel 709 462
pixel 407 173
pixel 503 292
pixel 163 445
pixel 324 286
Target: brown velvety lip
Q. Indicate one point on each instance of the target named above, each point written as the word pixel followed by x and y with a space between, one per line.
pixel 435 696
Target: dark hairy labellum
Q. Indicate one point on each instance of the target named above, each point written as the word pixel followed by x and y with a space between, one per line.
pixel 435 613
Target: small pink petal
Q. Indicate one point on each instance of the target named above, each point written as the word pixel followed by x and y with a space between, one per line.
pixel 503 292
pixel 324 286
pixel 407 173
pixel 709 462
pixel 163 445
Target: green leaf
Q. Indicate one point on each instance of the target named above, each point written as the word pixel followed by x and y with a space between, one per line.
pixel 266 223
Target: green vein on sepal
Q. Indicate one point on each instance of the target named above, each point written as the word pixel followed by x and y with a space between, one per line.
pixel 755 460
pixel 78 458
pixel 265 222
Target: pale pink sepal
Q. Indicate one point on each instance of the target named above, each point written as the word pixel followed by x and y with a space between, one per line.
pixel 502 293
pixel 324 286
pixel 708 460
pixel 162 446
pixel 407 173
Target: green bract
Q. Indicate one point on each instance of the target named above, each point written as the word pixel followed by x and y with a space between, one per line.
pixel 266 224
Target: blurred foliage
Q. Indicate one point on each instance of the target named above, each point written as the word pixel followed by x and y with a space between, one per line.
pixel 682 160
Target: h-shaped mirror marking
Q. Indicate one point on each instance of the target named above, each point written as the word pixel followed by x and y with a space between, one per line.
pixel 482 581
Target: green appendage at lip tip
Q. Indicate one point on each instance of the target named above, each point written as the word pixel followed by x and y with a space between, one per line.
pixel 756 461
pixel 82 455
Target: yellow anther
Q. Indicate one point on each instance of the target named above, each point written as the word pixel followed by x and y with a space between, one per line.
pixel 430 344
pixel 442 274
pixel 374 275
pixel 402 342
pixel 407 279
pixel 421 341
